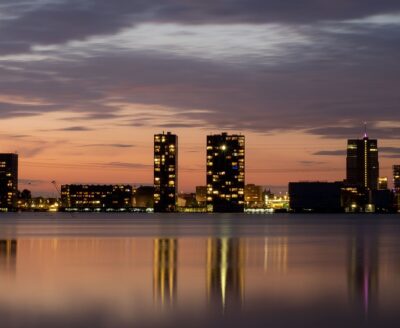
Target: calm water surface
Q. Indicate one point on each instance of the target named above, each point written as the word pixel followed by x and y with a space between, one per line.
pixel 125 270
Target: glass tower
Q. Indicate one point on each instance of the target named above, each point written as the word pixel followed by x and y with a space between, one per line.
pixel 362 162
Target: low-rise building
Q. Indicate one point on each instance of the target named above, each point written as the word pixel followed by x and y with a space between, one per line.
pixel 100 197
pixel 315 196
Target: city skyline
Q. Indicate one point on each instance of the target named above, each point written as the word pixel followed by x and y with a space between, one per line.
pixel 26 184
pixel 296 80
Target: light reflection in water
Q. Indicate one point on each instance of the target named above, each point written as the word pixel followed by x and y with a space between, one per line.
pixel 165 271
pixel 8 254
pixel 276 254
pixel 363 271
pixel 225 273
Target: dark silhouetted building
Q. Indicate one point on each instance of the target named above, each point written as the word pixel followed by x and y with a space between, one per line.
pixel 362 162
pixel 225 274
pixel 96 196
pixel 315 196
pixel 8 182
pixel 165 172
pixel 143 196
pixel 225 173
pixel 165 271
pixel 355 199
pixel 383 201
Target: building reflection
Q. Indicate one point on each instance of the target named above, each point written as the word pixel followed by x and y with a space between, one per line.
pixel 363 270
pixel 8 256
pixel 276 254
pixel 165 271
pixel 225 273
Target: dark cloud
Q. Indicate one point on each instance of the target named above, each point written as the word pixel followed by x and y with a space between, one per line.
pixel 355 131
pixel 74 128
pixel 339 152
pixel 11 110
pixel 128 165
pixel 57 21
pixel 311 163
pixel 327 87
pixel 109 145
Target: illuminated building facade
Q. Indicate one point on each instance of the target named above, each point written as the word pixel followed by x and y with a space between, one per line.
pixel 383 183
pixel 253 196
pixel 165 271
pixel 201 195
pixel 396 178
pixel 165 172
pixel 225 173
pixel 8 182
pixel 96 196
pixel 362 162
pixel 225 274
pixel 396 185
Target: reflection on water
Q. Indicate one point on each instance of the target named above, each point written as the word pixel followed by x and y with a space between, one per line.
pixel 165 271
pixel 8 254
pixel 363 269
pixel 347 273
pixel 276 254
pixel 225 273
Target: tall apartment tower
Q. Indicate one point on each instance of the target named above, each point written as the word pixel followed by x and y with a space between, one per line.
pixel 362 162
pixel 8 182
pixel 396 178
pixel 165 172
pixel 225 173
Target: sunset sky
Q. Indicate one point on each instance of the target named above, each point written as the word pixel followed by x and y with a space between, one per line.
pixel 84 85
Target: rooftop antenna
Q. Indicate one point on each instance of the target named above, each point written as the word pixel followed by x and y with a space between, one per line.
pixel 365 130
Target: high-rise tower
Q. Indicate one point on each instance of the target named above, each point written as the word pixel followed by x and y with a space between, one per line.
pixel 8 182
pixel 362 162
pixel 225 173
pixel 165 172
pixel 396 178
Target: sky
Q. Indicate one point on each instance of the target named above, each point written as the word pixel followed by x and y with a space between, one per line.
pixel 85 84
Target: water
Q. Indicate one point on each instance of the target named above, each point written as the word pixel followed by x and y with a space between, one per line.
pixel 146 270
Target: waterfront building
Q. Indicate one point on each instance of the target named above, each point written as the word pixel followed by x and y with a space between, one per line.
pixel 96 197
pixel 396 185
pixel 355 199
pixel 8 182
pixel 315 196
pixel 201 195
pixel 165 172
pixel 143 196
pixel 362 164
pixel 187 200
pixel 382 183
pixel 253 196
pixel 396 177
pixel 225 173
